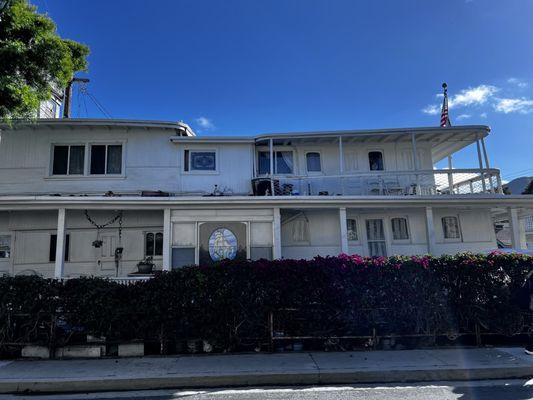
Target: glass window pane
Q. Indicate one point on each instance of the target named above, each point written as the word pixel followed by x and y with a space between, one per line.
pixel 450 226
pixel 399 229
pixel 60 160
pixel 5 246
pixel 203 161
pixel 98 159
pixel 77 160
pixel 313 162
pixel 149 245
pixel 114 159
pixel 264 162
pixel 375 159
pixel 158 244
pixel 283 162
pixel 352 229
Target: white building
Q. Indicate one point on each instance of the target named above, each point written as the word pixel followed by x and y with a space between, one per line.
pixel 155 189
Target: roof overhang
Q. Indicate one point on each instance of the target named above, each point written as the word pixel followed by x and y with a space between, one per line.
pixel 212 139
pixel 179 128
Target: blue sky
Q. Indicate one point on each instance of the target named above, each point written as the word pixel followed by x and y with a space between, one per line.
pixel 254 66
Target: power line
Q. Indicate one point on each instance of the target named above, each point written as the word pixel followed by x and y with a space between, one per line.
pixel 98 104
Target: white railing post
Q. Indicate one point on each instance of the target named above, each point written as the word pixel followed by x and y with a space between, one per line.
pixel 60 244
pixel 271 152
pixel 167 240
pixel 415 163
pixel 499 182
pixel 343 230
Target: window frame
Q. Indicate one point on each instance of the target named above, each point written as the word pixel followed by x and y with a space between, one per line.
pixel 155 233
pixel 11 240
pixel 106 144
pixel 408 227
pixel 52 255
pixel 69 145
pixel 275 164
pixel 87 160
pixel 455 239
pixel 188 170
pixel 358 234
pixel 321 171
pixel 382 159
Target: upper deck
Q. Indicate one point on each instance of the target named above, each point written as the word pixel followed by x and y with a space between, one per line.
pixel 94 157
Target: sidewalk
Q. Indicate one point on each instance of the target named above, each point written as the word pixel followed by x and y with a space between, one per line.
pixel 263 369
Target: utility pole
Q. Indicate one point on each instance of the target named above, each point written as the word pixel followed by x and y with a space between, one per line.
pixel 67 103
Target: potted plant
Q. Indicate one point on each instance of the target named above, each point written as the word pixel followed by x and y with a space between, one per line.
pixel 145 266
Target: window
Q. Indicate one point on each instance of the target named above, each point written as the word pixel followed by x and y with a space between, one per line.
pixel 400 230
pixel 153 244
pixel 313 162
pixel 450 227
pixel 53 246
pixel 377 245
pixel 5 246
pixel 300 230
pixel 106 159
pixel 351 225
pixel 68 160
pixel 199 161
pixel 375 159
pixel 282 162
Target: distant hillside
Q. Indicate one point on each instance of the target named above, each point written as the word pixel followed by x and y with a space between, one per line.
pixel 518 185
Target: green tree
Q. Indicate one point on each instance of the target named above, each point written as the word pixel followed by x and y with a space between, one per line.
pixel 529 188
pixel 34 59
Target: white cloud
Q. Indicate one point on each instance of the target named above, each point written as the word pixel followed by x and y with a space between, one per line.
pixel 472 96
pixel 520 105
pixel 517 82
pixel 463 116
pixel 205 123
pixel 483 115
pixel 431 109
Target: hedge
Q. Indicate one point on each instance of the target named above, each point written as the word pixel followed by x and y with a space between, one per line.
pixel 229 303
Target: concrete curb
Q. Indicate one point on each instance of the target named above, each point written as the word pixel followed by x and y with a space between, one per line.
pixel 98 384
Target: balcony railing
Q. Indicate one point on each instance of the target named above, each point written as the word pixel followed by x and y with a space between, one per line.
pixel 422 182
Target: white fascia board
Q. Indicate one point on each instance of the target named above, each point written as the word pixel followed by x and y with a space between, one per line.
pixel 212 139
pixel 134 202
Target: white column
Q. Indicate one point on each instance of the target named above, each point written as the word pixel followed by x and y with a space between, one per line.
pixel 271 152
pixel 276 234
pixel 343 230
pixel 487 165
pixel 480 161
pixel 415 162
pixel 167 240
pixel 514 227
pixel 341 156
pixel 450 174
pixel 430 231
pixel 60 244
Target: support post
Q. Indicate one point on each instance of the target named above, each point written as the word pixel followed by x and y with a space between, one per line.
pixel 271 170
pixel 450 174
pixel 415 163
pixel 514 227
pixel 276 234
pixel 430 231
pixel 341 156
pixel 487 165
pixel 167 240
pixel 343 230
pixel 60 244
pixel 480 166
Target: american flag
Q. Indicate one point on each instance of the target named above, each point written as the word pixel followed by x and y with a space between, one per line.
pixel 444 117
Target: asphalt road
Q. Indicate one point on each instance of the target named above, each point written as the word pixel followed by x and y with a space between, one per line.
pixel 478 390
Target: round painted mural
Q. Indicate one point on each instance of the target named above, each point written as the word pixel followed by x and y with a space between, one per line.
pixel 222 244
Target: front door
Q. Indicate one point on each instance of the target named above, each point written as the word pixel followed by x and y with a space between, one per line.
pixel 377 245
